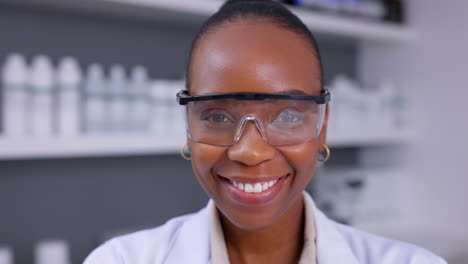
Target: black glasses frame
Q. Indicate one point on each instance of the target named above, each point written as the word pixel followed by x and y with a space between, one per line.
pixel 183 97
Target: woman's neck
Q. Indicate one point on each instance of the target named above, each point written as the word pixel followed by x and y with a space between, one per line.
pixel 281 242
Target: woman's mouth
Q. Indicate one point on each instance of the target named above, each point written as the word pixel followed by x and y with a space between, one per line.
pixel 253 192
pixel 254 187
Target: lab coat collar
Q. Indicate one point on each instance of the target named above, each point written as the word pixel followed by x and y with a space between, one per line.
pixel 332 248
pixel 192 243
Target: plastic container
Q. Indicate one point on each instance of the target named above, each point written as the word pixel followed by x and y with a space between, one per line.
pixel 140 104
pixel 15 96
pixel 118 100
pixel 41 83
pixel 159 109
pixel 68 97
pixel 329 5
pixel 6 255
pixel 95 105
pixel 373 9
pixel 52 252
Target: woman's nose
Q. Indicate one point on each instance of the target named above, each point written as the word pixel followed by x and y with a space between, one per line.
pixel 251 149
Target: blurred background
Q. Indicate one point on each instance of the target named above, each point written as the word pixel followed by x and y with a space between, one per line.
pixel 91 133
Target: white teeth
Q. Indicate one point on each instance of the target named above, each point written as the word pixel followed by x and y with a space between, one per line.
pixel 248 188
pixel 257 187
pixel 254 188
pixel 271 183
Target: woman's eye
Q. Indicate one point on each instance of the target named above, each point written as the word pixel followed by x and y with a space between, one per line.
pixel 289 117
pixel 217 118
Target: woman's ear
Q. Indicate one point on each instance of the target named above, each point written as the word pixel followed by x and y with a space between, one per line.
pixel 322 140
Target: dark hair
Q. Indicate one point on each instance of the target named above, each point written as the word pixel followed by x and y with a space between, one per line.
pixel 234 10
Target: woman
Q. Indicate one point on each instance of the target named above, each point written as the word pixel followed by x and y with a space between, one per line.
pixel 256 119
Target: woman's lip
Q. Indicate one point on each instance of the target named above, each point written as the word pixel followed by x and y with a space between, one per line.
pixel 251 180
pixel 254 198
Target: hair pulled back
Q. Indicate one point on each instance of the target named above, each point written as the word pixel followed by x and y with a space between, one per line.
pixel 236 10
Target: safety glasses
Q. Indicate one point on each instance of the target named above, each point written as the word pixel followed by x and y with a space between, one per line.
pixel 281 119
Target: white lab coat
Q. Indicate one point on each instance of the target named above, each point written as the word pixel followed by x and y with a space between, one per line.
pixel 186 239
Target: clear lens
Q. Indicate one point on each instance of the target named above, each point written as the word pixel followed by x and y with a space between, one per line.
pixel 281 122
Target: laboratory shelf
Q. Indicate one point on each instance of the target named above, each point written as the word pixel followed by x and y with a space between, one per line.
pixel 369 137
pixel 151 144
pixel 89 146
pixel 190 11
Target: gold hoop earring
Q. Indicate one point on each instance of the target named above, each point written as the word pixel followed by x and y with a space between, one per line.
pixel 185 152
pixel 327 152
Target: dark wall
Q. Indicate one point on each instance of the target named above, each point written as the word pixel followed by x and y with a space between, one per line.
pixel 80 200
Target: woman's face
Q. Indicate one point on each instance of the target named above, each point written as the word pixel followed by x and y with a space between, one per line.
pixel 254 56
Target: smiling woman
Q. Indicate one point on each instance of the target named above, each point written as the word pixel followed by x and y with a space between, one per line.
pixel 257 118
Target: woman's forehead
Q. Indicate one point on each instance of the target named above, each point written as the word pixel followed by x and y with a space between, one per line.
pixel 253 57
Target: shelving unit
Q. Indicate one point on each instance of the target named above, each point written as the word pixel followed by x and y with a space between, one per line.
pixel 150 144
pixel 363 138
pixel 89 146
pixel 189 11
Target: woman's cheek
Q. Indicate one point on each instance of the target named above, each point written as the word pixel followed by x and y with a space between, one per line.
pixel 204 157
pixel 303 158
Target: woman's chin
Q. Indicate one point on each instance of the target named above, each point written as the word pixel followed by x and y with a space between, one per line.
pixel 251 221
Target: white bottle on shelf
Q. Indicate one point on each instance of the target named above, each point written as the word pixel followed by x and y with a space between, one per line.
pixel 6 255
pixel 119 103
pixel 350 6
pixel 159 110
pixel 373 9
pixel 95 106
pixel 345 111
pixel 329 5
pixel 140 101
pixel 169 92
pixel 15 96
pixel 69 97
pixel 41 83
pixel 52 252
pixel 373 112
pixel 387 101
